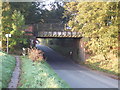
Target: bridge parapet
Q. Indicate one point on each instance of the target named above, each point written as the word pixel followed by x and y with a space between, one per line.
pixel 49 27
pixel 59 34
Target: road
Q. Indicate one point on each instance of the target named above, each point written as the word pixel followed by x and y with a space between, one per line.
pixel 76 75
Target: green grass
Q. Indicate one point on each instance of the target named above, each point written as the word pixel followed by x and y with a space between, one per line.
pixel 7 64
pixel 39 75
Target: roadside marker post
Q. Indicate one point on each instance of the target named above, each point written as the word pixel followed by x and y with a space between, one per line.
pixel 7 35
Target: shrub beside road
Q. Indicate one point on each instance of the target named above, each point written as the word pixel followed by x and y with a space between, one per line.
pixel 7 64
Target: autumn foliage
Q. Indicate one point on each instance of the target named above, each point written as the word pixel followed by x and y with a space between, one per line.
pixel 35 54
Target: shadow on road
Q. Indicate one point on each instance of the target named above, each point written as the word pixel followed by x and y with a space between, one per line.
pixel 74 74
pixel 57 61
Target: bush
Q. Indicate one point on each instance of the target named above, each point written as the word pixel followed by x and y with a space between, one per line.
pixel 35 54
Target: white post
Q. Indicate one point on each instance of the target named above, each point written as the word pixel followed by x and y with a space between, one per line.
pixel 7 36
pixel 7 44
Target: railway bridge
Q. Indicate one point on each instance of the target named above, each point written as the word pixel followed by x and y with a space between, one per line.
pixel 58 34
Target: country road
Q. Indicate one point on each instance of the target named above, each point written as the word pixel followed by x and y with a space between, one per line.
pixel 76 75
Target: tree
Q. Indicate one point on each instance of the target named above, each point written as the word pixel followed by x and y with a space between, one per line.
pixel 30 10
pixel 13 23
pixel 70 10
pixel 17 32
pixel 35 12
pixel 55 12
pixel 5 21
pixel 98 22
pixel 0 25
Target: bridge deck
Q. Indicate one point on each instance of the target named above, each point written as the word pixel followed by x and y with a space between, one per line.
pixel 60 34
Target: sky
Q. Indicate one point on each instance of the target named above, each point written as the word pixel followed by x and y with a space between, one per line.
pixel 48 2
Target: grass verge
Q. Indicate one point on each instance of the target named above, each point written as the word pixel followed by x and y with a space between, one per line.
pixel 109 66
pixel 7 65
pixel 39 75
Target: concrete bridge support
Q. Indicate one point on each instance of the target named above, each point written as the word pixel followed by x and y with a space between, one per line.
pixel 81 51
pixel 78 54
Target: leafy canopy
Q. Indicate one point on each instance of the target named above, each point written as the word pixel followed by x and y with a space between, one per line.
pixel 96 21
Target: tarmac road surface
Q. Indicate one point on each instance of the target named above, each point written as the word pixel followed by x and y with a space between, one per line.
pixel 76 75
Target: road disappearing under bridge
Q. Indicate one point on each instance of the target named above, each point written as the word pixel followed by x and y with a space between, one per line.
pixel 76 75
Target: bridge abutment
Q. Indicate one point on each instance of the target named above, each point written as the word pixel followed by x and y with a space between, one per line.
pixel 81 51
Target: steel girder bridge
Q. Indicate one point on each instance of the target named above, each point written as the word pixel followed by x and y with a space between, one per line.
pixel 59 34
